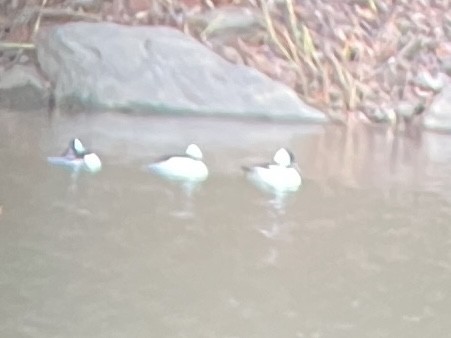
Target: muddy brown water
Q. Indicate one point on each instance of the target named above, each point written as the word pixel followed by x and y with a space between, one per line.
pixel 363 249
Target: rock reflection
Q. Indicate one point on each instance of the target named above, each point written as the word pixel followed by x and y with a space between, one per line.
pixel 361 156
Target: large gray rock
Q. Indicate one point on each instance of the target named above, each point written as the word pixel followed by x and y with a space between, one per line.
pixel 23 88
pixel 438 115
pixel 157 69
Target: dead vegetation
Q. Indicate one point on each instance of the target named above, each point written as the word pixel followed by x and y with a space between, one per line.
pixel 382 59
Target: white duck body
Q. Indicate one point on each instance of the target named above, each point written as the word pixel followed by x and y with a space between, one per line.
pixel 188 167
pixel 282 175
pixel 77 158
pixel 89 162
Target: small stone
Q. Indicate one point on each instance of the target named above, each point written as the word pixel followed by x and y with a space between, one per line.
pixel 425 80
pixel 381 114
pixel 438 114
pixel 406 109
pixel 22 88
pixel 446 65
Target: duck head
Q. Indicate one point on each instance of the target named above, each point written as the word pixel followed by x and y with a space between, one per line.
pixel 92 162
pixel 194 151
pixel 284 158
pixel 77 147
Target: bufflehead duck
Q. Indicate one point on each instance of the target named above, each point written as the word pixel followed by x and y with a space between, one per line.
pixel 281 175
pixel 188 166
pixel 77 157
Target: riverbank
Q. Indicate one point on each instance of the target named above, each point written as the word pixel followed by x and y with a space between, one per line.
pixel 380 61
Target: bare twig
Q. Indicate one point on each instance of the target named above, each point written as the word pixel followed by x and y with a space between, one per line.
pixel 293 22
pixel 16 45
pixel 271 31
pixel 38 19
pixel 60 12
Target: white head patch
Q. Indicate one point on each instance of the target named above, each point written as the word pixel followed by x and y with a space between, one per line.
pixel 194 152
pixel 92 162
pixel 78 146
pixel 283 157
